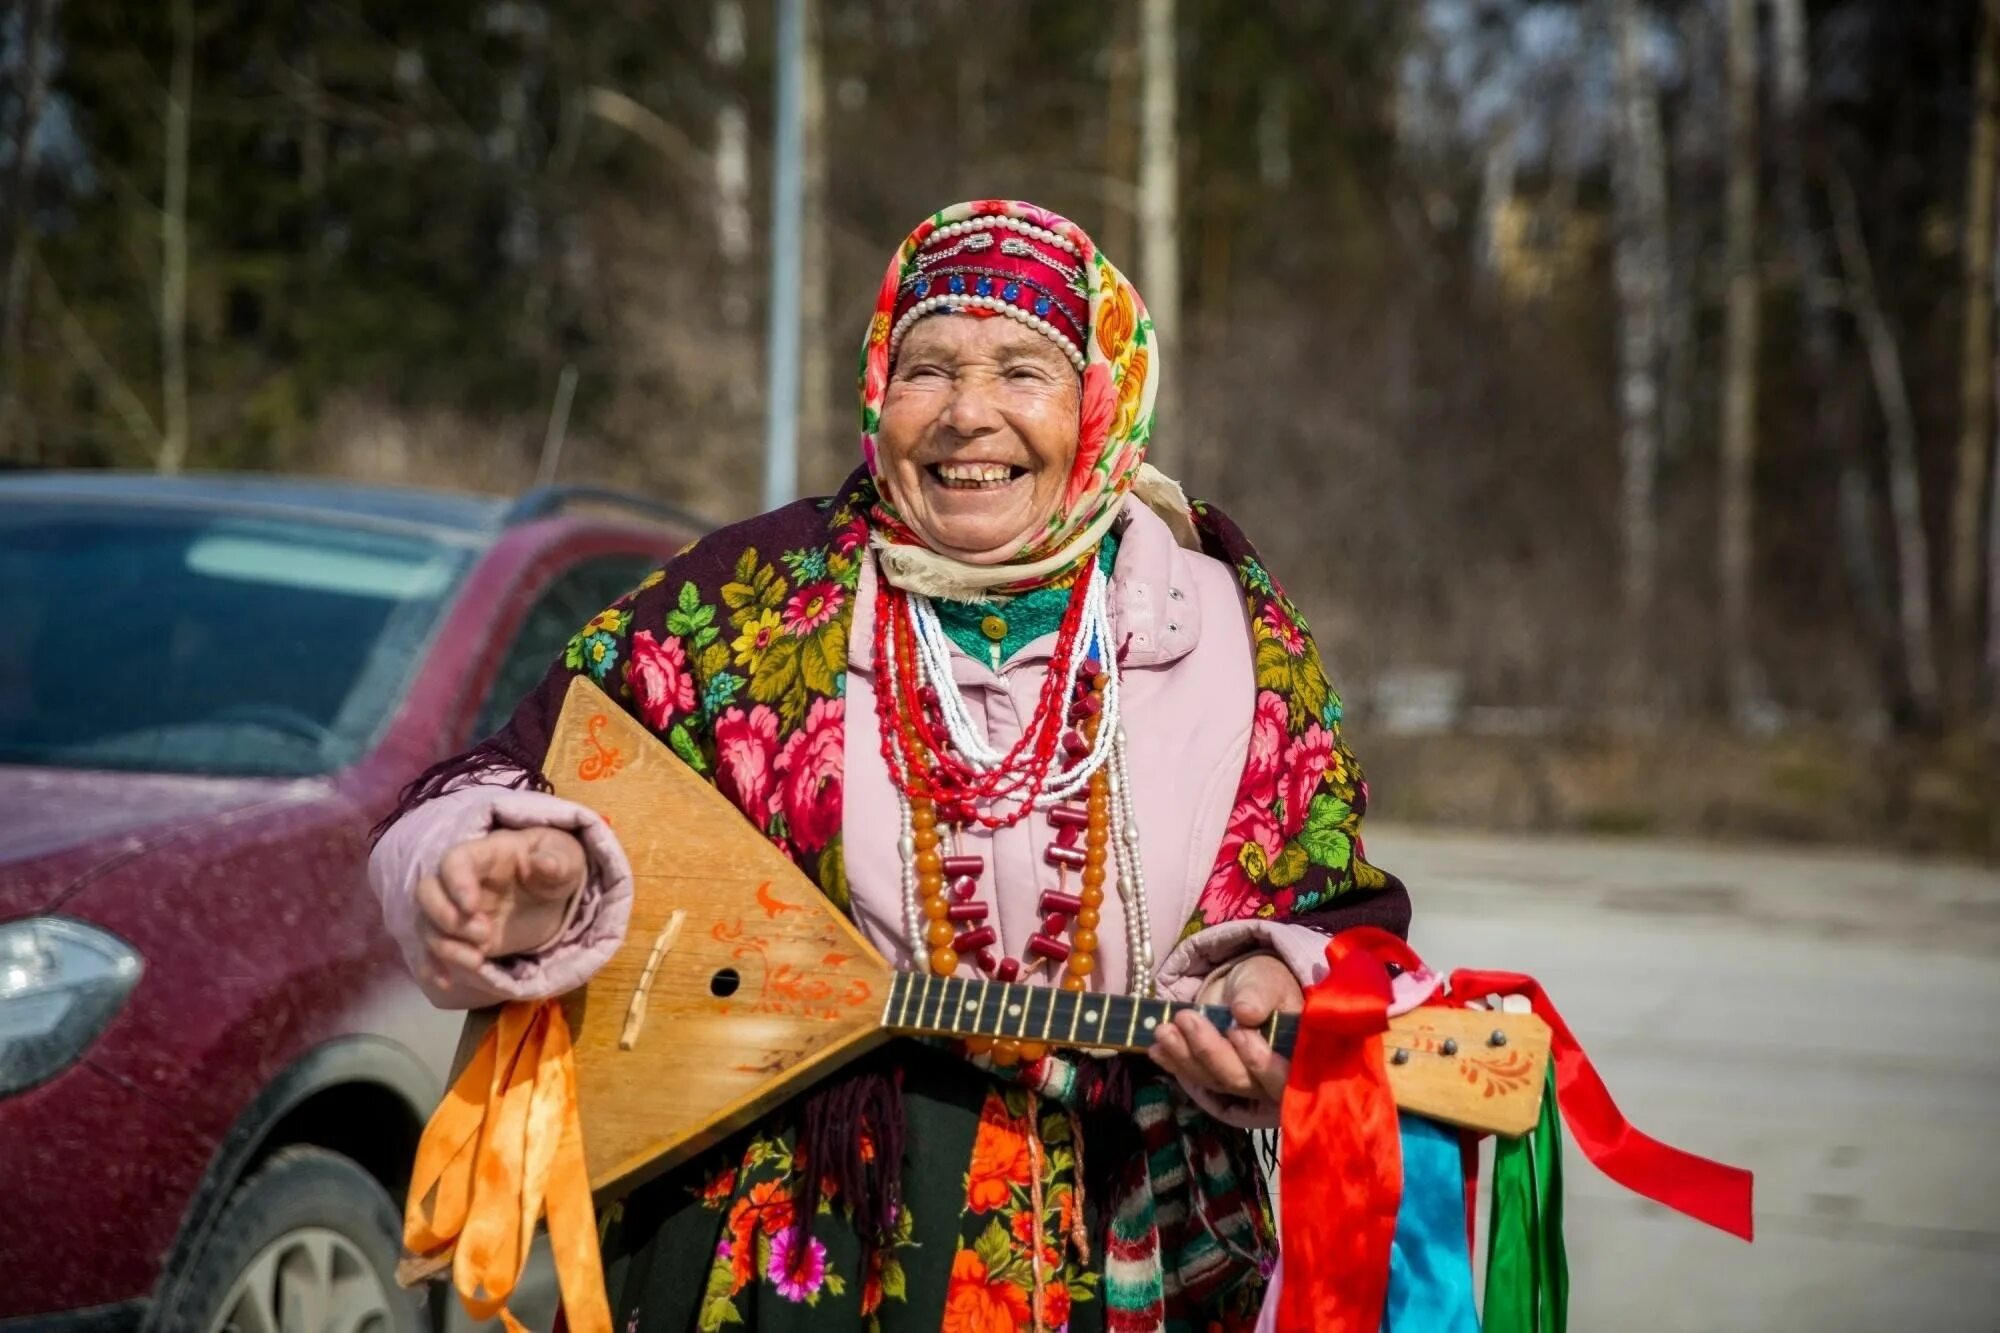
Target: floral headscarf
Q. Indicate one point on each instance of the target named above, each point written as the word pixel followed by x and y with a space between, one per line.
pixel 1120 380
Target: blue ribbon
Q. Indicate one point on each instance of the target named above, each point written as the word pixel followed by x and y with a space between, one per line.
pixel 1430 1270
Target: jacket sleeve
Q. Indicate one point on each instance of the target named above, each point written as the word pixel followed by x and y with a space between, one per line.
pixel 411 847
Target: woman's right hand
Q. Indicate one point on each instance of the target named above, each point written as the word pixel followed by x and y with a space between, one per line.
pixel 505 893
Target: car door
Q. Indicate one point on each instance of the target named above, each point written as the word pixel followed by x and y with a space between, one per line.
pixel 564 603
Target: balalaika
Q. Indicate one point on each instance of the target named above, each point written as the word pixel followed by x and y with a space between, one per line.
pixel 739 985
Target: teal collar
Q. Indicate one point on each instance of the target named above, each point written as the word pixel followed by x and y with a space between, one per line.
pixel 992 632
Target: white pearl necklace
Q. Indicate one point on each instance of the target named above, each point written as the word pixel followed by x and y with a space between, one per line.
pixel 934 670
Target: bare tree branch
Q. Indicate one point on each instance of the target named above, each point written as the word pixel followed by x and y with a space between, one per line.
pixel 1900 444
pixel 83 349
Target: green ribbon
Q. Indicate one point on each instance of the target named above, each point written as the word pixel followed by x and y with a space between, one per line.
pixel 1527 1272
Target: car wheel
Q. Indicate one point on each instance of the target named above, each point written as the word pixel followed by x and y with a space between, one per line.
pixel 307 1245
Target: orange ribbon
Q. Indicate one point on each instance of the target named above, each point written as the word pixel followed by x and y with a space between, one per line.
pixel 1341 1174
pixel 505 1142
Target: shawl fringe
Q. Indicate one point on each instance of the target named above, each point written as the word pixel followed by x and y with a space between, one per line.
pixel 491 763
pixel 850 1147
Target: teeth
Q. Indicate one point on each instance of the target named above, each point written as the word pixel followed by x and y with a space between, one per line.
pixel 974 473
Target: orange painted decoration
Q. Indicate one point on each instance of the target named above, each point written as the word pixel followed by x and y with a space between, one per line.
pixel 774 906
pixel 505 1145
pixel 603 760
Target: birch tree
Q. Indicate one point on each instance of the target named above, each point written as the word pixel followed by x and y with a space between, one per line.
pixel 815 266
pixel 1159 200
pixel 1739 366
pixel 1639 187
pixel 731 203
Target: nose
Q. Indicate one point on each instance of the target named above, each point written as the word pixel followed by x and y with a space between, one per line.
pixel 973 408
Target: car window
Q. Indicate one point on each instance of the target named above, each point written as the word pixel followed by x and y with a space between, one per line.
pixel 561 610
pixel 195 641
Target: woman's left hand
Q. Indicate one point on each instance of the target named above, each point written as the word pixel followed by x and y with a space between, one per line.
pixel 1236 1077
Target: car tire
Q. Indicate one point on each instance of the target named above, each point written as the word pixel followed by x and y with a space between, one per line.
pixel 310 1243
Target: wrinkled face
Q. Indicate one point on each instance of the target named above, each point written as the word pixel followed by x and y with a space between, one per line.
pixel 978 431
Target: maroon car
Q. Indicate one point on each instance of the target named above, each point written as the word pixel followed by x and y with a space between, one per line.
pixel 213 1068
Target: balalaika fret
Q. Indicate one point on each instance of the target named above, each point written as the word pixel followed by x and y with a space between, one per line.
pixel 739 985
pixel 973 1007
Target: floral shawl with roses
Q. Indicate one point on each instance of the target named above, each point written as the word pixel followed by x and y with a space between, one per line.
pixel 736 654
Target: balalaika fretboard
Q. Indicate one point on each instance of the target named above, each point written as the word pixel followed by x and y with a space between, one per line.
pixel 969 1007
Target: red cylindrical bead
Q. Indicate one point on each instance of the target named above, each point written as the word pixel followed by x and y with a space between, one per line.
pixel 1009 969
pixel 1087 706
pixel 963 889
pixel 1091 667
pixel 1070 814
pixel 956 866
pixel 966 912
pixel 1074 742
pixel 1066 837
pixel 1047 946
pixel 1065 856
pixel 974 940
pixel 985 960
pixel 1054 900
pixel 1055 923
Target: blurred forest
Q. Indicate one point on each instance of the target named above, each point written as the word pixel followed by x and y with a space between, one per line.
pixel 1613 380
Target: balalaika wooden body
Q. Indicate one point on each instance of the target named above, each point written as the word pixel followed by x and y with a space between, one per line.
pixel 739 985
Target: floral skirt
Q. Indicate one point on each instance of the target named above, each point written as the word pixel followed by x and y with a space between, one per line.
pixel 993 1228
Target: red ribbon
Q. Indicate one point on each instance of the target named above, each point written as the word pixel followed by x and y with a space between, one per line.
pixel 1708 1191
pixel 1341 1175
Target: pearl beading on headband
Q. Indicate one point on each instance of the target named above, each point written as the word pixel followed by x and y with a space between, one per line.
pixel 932 304
pixel 990 221
pixel 978 242
pixel 1020 249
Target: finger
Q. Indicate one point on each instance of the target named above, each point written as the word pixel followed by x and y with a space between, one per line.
pixel 452 953
pixel 1214 1062
pixel 462 871
pixel 1234 1111
pixel 1169 1051
pixel 1256 989
pixel 438 912
pixel 553 864
pixel 1267 1069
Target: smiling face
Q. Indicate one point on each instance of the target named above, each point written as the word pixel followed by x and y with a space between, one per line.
pixel 978 432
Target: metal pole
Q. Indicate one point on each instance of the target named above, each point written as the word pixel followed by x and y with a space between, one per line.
pixel 781 386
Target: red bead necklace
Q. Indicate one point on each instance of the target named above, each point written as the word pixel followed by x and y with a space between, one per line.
pixel 956 927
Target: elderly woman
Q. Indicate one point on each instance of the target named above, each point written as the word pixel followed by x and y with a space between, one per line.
pixel 1022 711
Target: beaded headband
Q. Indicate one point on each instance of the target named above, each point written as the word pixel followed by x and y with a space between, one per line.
pixel 1004 266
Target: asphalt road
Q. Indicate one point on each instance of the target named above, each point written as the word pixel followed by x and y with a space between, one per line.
pixel 1830 1020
